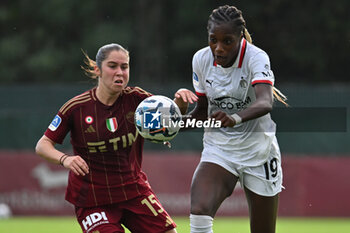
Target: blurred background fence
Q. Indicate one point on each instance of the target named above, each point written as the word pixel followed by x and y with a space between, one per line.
pixel 308 43
pixel 316 122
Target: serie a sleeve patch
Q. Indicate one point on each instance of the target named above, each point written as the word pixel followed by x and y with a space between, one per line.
pixel 55 123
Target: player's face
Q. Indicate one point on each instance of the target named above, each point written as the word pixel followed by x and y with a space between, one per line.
pixel 224 43
pixel 114 74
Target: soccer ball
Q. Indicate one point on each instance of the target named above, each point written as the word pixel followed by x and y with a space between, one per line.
pixel 157 117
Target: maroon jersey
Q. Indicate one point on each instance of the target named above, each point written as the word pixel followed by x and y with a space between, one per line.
pixel 107 139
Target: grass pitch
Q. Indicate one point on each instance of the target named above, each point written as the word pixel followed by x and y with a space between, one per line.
pixel 221 225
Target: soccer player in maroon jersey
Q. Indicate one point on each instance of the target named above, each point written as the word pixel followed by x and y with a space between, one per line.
pixel 106 184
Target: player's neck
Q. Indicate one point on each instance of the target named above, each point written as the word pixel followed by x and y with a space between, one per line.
pixel 105 97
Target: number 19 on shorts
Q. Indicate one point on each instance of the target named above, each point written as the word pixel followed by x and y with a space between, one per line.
pixel 271 166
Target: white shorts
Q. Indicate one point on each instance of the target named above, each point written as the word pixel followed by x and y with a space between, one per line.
pixel 264 180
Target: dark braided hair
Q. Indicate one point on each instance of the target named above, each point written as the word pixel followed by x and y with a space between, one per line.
pixel 229 14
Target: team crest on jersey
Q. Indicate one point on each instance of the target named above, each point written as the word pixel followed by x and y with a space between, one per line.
pixel 89 120
pixel 55 123
pixel 243 83
pixel 112 124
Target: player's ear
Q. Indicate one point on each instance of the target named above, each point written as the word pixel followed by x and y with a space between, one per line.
pixel 97 71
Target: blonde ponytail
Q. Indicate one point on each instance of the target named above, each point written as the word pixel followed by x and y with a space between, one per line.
pixel 247 36
pixel 89 68
pixel 277 94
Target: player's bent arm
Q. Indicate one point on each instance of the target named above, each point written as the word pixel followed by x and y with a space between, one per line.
pixel 46 149
pixel 261 106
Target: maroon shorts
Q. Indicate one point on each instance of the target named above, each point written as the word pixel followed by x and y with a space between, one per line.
pixel 143 214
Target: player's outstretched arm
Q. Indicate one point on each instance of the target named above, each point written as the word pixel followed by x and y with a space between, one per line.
pixel 200 112
pixel 183 97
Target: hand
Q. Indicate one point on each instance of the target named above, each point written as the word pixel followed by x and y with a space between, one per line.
pixel 76 164
pixel 226 120
pixel 186 96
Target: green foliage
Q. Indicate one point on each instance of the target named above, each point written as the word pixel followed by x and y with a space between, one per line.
pixel 40 41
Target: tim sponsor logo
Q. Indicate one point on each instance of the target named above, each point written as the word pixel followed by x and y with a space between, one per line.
pixel 93 220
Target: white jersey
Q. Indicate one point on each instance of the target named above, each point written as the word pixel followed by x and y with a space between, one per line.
pixel 231 90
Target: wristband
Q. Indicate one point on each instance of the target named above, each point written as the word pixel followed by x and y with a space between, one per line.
pixel 63 157
pixel 237 118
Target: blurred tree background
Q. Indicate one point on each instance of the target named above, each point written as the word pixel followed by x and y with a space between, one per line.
pixel 308 42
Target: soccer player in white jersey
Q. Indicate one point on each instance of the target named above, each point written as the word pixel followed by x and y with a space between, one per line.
pixel 234 84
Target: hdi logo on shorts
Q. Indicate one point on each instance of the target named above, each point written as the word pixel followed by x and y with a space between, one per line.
pixel 94 219
pixel 151 120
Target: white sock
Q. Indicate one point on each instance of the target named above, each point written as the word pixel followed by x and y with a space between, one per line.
pixel 201 223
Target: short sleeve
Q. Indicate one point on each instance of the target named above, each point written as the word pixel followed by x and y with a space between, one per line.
pixel 197 76
pixel 58 128
pixel 260 68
